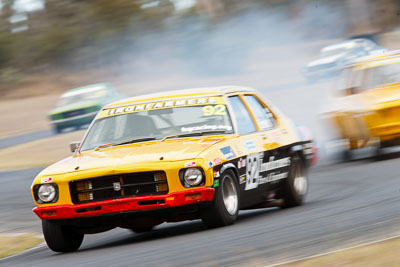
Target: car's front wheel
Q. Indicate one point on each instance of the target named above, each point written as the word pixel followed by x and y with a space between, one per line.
pixel 295 187
pixel 225 206
pixel 60 238
pixel 57 129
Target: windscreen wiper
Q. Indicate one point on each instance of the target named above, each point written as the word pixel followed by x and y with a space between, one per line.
pixel 193 134
pixel 130 141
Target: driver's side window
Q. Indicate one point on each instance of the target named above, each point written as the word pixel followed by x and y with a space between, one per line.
pixel 244 121
pixel 264 117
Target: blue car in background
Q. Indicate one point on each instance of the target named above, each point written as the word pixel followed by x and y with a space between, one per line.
pixel 334 57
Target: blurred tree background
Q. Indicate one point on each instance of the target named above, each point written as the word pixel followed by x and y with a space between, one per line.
pixel 61 28
pixel 86 34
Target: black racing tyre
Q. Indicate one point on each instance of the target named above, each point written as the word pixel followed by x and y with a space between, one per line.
pixel 379 153
pixel 296 185
pixel 346 155
pixel 142 229
pixel 57 129
pixel 61 238
pixel 225 206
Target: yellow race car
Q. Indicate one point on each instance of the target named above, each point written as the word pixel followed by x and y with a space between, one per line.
pixel 183 155
pixel 366 107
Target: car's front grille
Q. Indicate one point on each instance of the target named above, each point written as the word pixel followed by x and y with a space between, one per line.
pixel 73 113
pixel 117 186
pixel 322 67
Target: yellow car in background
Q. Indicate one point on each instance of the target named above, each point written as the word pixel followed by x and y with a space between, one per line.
pixel 183 155
pixel 366 108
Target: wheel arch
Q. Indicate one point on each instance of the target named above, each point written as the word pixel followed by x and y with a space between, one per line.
pixel 299 150
pixel 230 166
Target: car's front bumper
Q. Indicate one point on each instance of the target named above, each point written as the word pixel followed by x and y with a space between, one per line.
pixel 119 205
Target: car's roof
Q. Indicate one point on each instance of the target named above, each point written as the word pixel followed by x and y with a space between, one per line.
pixel 194 92
pixel 346 44
pixel 89 88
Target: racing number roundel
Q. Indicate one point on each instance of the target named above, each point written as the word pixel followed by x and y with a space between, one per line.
pixel 252 171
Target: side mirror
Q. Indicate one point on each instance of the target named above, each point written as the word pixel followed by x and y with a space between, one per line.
pixel 74 145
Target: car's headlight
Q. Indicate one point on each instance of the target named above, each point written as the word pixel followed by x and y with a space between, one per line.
pixel 46 193
pixel 192 177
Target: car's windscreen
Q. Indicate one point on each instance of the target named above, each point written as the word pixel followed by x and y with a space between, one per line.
pixel 334 52
pixel 374 76
pixel 158 124
pixel 382 75
pixel 74 97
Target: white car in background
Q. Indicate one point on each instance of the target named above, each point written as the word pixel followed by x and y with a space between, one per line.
pixel 332 58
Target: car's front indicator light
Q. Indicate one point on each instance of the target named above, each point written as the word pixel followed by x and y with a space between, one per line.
pixel 161 180
pixel 83 186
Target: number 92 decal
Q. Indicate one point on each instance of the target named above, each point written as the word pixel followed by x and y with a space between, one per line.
pixel 216 110
pixel 253 166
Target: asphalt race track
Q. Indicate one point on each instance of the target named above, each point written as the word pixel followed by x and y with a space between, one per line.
pixel 348 204
pixel 24 138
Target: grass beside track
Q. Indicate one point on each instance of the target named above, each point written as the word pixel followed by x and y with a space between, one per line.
pixel 13 244
pixel 39 153
pixel 383 253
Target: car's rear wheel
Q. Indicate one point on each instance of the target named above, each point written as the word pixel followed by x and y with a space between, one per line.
pixel 295 187
pixel 60 238
pixel 225 206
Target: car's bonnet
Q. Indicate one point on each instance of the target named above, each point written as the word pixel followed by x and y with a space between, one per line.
pixel 384 96
pixel 374 99
pixel 135 154
pixel 77 105
pixel 325 60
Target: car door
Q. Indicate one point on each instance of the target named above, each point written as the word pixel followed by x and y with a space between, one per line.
pixel 250 144
pixel 275 160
